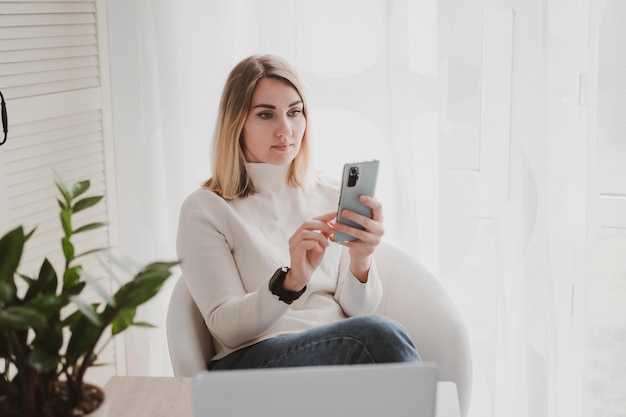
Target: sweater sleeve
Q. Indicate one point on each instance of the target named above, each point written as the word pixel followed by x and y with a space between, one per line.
pixel 357 298
pixel 233 315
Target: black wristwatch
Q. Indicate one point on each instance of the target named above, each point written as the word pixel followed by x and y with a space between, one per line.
pixel 277 286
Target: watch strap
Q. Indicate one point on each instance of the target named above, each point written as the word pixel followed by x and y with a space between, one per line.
pixel 277 286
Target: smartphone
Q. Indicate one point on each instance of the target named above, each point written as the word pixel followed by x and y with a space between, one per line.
pixel 358 178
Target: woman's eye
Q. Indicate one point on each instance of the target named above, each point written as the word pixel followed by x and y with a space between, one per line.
pixel 294 112
pixel 265 115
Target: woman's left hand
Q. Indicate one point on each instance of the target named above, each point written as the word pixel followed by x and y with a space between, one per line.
pixel 361 250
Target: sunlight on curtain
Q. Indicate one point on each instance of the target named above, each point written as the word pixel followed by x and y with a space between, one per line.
pixel 542 220
pixel 605 335
pixel 490 172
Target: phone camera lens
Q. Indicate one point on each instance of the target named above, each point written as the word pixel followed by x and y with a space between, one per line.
pixel 353 176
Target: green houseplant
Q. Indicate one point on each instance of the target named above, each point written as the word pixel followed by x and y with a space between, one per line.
pixel 48 332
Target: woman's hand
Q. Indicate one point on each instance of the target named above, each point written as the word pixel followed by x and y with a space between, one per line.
pixel 306 249
pixel 361 250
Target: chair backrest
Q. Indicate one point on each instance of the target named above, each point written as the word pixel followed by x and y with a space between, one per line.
pixel 188 339
pixel 412 296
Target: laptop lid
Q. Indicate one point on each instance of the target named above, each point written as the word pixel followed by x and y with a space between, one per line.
pixel 400 390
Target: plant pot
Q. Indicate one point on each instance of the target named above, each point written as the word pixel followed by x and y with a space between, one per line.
pixel 94 403
pixel 103 409
pixel 94 397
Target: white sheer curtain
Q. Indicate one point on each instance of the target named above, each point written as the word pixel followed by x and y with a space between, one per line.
pixel 486 131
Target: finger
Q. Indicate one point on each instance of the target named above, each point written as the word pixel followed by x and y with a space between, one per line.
pixel 309 236
pixel 321 223
pixel 374 204
pixel 361 236
pixel 371 225
pixel 313 226
pixel 326 217
pixel 310 245
pixel 314 236
pixel 309 252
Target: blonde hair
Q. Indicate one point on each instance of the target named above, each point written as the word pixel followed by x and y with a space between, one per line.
pixel 230 179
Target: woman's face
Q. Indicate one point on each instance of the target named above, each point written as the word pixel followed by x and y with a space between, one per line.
pixel 273 130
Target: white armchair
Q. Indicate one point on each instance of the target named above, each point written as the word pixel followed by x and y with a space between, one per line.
pixel 412 296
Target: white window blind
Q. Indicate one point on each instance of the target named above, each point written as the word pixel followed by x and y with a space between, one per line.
pixel 52 58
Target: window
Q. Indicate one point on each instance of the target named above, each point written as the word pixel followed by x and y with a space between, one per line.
pixel 54 80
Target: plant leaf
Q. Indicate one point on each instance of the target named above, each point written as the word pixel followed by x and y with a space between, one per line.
pixel 48 277
pixel 4 353
pixel 73 319
pixel 47 304
pixel 85 203
pixel 155 270
pixel 26 279
pixel 46 283
pixel 64 192
pixel 78 188
pixel 84 335
pixel 22 318
pixel 68 249
pixel 74 289
pixel 145 285
pixel 43 361
pixel 144 324
pixel 122 320
pixel 93 283
pixel 90 226
pixel 66 222
pixel 89 252
pixel 7 293
pixel 71 276
pixel 11 248
pixel 120 326
pixel 88 310
pixel 50 337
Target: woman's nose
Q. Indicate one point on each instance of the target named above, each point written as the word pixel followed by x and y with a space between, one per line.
pixel 283 128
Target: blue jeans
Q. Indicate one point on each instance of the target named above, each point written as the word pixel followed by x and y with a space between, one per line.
pixel 355 340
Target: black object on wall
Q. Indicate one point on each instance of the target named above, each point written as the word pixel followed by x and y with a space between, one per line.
pixel 5 120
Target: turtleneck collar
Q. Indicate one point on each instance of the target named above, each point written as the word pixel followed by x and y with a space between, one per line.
pixel 267 176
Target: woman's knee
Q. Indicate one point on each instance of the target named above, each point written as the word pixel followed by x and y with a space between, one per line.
pixel 381 327
pixel 387 340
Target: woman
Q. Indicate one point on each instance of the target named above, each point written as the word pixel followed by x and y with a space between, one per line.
pixel 256 241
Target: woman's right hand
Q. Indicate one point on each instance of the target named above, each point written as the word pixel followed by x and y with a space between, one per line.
pixel 306 249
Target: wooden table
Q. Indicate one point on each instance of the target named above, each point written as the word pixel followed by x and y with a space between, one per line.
pixel 132 396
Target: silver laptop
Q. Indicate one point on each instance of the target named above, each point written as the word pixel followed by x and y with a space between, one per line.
pixel 398 390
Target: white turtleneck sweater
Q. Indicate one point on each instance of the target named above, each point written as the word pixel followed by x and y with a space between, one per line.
pixel 229 250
